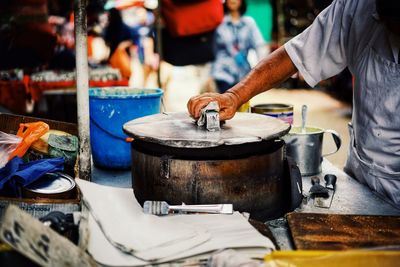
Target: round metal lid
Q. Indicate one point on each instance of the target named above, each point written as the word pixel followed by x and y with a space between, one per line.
pixel 178 129
pixel 52 183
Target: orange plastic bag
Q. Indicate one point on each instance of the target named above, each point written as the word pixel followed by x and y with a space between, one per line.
pixel 30 132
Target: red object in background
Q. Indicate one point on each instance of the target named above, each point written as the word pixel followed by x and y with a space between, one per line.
pixel 37 88
pixel 123 4
pixel 90 46
pixel 185 18
pixel 14 94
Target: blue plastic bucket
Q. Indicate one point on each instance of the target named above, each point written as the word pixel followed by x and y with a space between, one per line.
pixel 110 108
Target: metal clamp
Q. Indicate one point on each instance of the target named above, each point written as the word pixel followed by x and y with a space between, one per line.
pixel 212 121
pixel 210 117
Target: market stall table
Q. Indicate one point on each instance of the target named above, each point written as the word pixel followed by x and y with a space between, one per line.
pixel 350 197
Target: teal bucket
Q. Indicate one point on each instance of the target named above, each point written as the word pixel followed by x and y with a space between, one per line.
pixel 110 108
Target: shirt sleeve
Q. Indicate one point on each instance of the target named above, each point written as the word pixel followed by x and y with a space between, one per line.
pixel 320 51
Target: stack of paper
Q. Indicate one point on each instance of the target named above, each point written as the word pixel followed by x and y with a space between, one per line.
pixel 122 235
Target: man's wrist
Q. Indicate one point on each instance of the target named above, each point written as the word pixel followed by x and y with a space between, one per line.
pixel 235 97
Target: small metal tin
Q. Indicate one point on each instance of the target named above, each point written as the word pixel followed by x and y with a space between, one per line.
pixel 52 185
pixel 283 112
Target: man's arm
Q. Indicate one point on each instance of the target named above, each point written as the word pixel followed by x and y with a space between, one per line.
pixel 318 53
pixel 270 72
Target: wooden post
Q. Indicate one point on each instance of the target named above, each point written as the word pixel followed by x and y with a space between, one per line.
pixel 82 88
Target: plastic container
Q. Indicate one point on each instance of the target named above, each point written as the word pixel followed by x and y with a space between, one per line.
pixel 110 108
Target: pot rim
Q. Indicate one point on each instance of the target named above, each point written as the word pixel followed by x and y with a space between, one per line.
pixel 223 152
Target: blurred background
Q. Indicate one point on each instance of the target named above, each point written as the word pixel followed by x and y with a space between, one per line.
pixel 177 45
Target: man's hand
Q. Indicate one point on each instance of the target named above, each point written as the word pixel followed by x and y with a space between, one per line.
pixel 228 104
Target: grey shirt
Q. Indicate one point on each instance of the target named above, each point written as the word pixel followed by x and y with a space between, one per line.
pixel 337 38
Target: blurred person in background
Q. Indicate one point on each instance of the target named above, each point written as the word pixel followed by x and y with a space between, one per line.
pixel 64 55
pixel 61 18
pixel 234 38
pixel 363 35
pixel 118 37
pixel 140 21
pixel 116 31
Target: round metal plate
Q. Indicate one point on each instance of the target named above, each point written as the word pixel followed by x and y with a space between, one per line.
pixel 180 130
pixel 54 183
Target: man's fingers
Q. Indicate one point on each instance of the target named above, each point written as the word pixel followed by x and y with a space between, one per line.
pixel 198 105
pixel 193 101
pixel 190 104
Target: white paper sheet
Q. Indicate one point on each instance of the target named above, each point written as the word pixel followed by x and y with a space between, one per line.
pixel 123 221
pixel 212 231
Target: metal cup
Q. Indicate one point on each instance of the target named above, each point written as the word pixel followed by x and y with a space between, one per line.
pixel 306 148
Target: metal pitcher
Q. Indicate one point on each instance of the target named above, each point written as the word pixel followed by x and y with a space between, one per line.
pixel 306 148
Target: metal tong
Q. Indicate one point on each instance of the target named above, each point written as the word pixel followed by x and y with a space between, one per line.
pixel 162 208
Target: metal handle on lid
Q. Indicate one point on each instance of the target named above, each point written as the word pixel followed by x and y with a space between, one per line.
pixel 212 121
pixel 209 117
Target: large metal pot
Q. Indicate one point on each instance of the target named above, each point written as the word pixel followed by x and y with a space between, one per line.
pixel 250 175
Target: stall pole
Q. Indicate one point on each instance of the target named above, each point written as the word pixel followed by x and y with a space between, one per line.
pixel 158 25
pixel 158 39
pixel 82 88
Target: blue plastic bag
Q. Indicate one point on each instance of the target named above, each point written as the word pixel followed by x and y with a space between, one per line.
pixel 18 173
